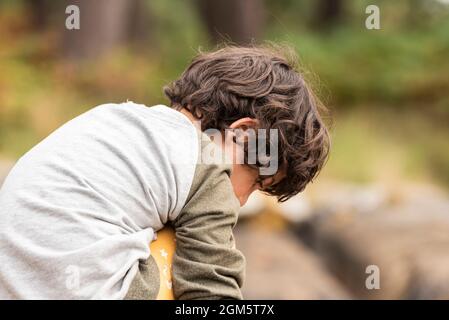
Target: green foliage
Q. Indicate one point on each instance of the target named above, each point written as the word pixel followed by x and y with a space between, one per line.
pixel 388 88
pixel 398 69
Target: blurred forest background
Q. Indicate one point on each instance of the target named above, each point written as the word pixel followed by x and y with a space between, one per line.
pixel 387 89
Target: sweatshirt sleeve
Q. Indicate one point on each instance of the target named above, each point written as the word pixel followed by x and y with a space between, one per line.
pixel 206 264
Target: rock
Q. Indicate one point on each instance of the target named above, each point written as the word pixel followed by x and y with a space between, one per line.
pixel 280 267
pixel 410 249
pixel 334 198
pixel 296 209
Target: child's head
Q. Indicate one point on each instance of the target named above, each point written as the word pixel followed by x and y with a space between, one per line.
pixel 255 87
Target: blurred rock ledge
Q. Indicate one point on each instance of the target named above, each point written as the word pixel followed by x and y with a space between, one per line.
pixel 343 228
pixel 281 267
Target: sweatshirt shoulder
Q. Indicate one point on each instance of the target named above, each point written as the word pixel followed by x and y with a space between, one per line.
pixel 159 111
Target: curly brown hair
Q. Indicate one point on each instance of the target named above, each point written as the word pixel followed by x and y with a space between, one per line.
pixel 263 83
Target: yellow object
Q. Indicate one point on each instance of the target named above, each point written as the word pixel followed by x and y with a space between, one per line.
pixel 162 250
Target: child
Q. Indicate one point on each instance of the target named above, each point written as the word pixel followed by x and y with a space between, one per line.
pixel 78 211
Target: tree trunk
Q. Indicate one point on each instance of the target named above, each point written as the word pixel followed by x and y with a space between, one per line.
pixel 237 21
pixel 104 25
pixel 39 12
pixel 329 13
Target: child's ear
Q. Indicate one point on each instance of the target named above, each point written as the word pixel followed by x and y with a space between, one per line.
pixel 244 123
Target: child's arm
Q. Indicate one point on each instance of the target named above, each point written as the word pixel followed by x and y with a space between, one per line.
pixel 206 264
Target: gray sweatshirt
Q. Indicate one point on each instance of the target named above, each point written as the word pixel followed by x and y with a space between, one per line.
pixel 78 211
